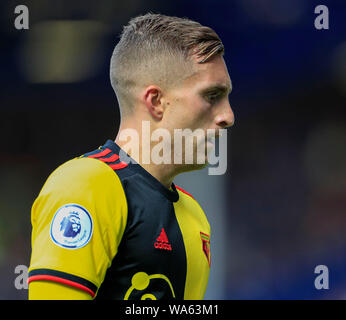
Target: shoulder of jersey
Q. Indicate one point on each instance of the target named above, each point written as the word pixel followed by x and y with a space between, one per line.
pixel 187 196
pixel 184 191
pixel 107 160
pixel 193 204
pixel 86 169
pixel 107 156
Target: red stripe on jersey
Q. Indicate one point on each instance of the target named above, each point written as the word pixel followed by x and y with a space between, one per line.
pixel 118 166
pixel 182 190
pixel 63 281
pixel 101 154
pixel 112 158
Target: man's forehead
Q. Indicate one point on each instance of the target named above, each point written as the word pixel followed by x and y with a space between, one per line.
pixel 212 74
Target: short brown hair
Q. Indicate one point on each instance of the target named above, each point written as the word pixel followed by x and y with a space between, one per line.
pixel 158 49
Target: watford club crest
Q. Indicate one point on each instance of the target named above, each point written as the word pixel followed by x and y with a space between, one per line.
pixel 206 246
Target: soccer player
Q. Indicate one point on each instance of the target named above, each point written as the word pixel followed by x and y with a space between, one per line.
pixel 112 229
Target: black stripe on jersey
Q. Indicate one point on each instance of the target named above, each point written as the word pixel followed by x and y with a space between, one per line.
pixel 70 279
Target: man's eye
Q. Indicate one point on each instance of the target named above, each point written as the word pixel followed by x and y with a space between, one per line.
pixel 213 97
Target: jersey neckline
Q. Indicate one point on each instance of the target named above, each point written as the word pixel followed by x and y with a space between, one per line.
pixel 171 195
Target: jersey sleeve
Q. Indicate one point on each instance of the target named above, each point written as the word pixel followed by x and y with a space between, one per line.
pixel 78 221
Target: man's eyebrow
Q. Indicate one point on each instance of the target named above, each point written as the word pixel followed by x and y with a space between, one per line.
pixel 219 87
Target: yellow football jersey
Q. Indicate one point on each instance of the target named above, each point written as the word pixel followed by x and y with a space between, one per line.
pixel 111 229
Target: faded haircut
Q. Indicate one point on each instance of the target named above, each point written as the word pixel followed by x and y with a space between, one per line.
pixel 158 49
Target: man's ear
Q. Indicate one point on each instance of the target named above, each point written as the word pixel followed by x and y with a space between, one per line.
pixel 153 101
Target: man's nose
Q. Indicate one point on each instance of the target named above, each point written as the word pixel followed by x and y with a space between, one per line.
pixel 226 117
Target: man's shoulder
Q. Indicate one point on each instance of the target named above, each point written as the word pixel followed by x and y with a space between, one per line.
pixel 183 191
pixel 84 182
pixel 190 207
pixel 83 169
pixel 82 174
pixel 189 200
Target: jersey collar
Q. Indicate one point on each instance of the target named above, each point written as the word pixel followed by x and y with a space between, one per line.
pixel 171 194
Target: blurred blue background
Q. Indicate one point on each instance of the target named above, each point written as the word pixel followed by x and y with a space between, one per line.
pixel 285 188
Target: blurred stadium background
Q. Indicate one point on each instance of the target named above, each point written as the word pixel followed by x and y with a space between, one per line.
pixel 280 209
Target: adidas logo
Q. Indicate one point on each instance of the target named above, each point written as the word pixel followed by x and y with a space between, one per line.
pixel 162 241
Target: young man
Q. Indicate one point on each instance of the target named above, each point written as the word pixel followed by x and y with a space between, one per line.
pixel 111 229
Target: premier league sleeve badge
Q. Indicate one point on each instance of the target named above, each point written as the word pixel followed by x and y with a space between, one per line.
pixel 71 227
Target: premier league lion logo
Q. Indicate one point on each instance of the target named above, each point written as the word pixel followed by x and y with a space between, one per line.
pixel 70 226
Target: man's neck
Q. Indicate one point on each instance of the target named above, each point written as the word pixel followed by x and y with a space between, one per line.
pixel 164 173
